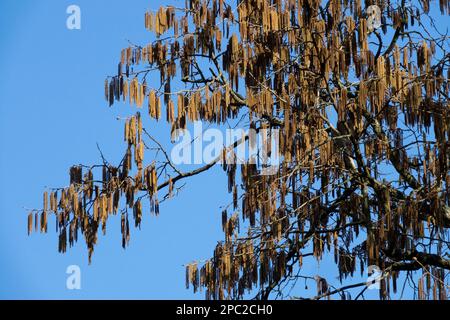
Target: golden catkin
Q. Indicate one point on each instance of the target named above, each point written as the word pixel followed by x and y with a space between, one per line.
pixel 152 104
pixel 30 223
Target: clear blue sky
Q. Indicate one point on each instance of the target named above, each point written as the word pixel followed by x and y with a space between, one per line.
pixel 52 114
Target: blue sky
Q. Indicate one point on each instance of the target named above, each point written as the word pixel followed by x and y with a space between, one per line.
pixel 52 114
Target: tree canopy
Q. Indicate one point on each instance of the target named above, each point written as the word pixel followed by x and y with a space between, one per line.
pixel 358 91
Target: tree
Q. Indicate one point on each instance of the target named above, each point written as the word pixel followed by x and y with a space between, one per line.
pixel 359 96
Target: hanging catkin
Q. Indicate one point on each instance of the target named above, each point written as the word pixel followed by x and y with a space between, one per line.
pixel 158 108
pixel 30 223
pixel 106 90
pixel 152 104
pixel 170 111
pixel 154 181
pixel 44 222
pixel 140 128
pixel 45 201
